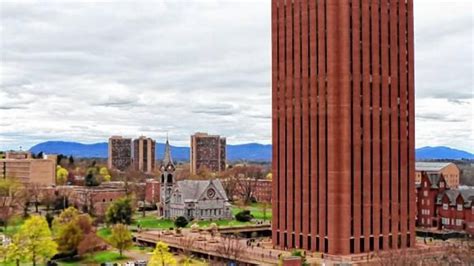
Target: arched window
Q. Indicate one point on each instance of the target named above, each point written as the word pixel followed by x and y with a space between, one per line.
pixel 170 178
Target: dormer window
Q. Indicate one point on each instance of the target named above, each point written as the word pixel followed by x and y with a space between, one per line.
pixel 441 184
pixel 425 184
pixel 445 206
pixel 459 207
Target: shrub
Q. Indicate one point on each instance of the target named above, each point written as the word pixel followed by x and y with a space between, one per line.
pixel 181 221
pixel 244 216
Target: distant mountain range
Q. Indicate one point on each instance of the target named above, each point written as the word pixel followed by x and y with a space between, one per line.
pixel 442 152
pixel 247 152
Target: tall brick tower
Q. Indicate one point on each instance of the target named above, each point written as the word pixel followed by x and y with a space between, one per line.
pixel 343 125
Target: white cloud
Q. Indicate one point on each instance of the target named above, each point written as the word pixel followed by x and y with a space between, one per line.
pixel 86 70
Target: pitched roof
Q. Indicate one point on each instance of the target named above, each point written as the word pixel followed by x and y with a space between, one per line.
pixel 430 166
pixel 434 179
pixel 192 189
pixel 466 193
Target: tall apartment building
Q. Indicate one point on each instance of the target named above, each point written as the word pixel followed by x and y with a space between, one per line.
pixel 120 153
pixel 208 151
pixel 343 125
pixel 144 154
pixel 27 170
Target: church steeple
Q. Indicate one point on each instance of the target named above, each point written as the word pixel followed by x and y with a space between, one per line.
pixel 167 160
pixel 167 164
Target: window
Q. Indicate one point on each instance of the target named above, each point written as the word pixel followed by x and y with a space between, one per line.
pixel 425 184
pixel 422 202
pixel 445 221
pixel 459 207
pixel 459 222
pixel 425 193
pixel 422 220
pixel 428 202
pixel 441 184
pixel 445 206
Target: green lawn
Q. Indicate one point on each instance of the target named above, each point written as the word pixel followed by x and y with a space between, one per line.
pixel 152 222
pixel 96 258
pixel 104 233
pixel 256 209
pixel 13 226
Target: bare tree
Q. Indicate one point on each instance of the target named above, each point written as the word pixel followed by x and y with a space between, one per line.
pixel 35 189
pixel 247 187
pixel 187 243
pixel 230 248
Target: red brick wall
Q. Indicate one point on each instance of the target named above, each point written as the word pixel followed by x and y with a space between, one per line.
pixel 337 111
pixel 152 191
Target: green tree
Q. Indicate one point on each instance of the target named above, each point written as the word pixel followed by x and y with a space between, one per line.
pixel 61 175
pixel 104 171
pixel 121 238
pixel 34 240
pixel 71 161
pixel 90 179
pixel 162 256
pixel 120 211
pixel 15 253
pixel 69 229
pixel 181 221
pixel 11 191
pixel 244 216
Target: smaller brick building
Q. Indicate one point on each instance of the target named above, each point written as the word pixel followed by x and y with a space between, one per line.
pixel 152 191
pixel 450 172
pixel 442 207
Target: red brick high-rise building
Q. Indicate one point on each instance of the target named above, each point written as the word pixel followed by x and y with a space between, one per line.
pixel 144 154
pixel 208 151
pixel 343 125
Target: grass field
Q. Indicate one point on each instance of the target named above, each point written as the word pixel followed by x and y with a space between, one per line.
pixel 96 258
pixel 104 233
pixel 152 222
pixel 256 209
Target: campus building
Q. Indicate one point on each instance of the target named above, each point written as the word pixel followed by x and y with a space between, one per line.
pixel 450 172
pixel 193 199
pixel 343 125
pixel 144 154
pixel 207 151
pixel 24 168
pixel 120 153
pixel 442 207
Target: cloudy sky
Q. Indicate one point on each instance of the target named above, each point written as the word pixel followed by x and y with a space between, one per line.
pixel 82 71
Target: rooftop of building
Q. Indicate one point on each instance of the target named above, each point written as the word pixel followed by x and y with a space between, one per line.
pixel 431 166
pixel 467 194
pixel 193 189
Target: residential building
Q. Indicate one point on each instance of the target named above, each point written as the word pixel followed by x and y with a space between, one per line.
pixel 144 154
pixel 442 207
pixel 120 153
pixel 193 199
pixel 343 125
pixel 450 172
pixel 207 151
pixel 28 170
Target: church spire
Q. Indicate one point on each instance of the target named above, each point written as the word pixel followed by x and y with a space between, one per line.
pixel 167 160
